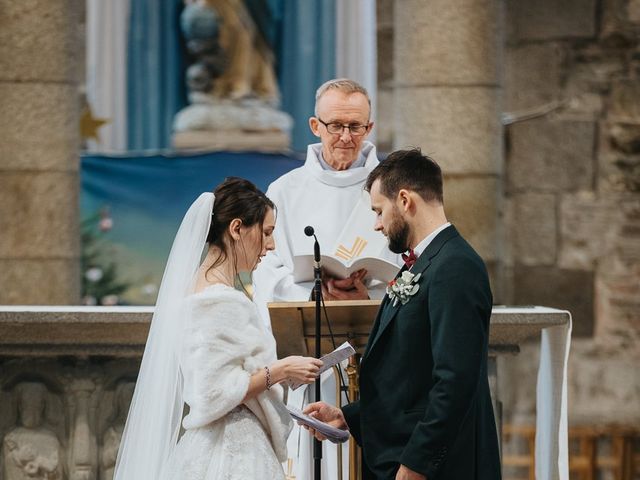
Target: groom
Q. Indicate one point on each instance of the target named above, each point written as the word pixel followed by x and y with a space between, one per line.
pixel 425 408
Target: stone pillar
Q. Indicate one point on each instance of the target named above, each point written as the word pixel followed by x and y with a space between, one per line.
pixel 384 126
pixel 39 139
pixel 447 101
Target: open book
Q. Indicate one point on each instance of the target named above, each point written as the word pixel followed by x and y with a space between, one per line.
pixel 358 246
pixel 341 353
pixel 377 268
pixel 332 433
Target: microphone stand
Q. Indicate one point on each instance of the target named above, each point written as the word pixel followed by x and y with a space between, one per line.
pixel 317 290
pixel 317 274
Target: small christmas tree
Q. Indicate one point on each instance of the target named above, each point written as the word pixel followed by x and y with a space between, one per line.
pixel 100 283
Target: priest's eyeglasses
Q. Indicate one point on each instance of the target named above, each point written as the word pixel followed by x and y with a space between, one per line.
pixel 336 128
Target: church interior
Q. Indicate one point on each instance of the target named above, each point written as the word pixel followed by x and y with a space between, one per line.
pixel 116 114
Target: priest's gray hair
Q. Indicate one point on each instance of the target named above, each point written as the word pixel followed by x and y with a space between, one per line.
pixel 343 85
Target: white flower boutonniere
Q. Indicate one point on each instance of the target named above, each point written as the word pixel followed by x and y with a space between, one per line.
pixel 403 288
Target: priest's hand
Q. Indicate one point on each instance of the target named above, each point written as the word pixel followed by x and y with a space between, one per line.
pixel 350 288
pixel 325 413
pixel 405 473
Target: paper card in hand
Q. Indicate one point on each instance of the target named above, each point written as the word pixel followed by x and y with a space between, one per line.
pixel 341 353
pixel 332 433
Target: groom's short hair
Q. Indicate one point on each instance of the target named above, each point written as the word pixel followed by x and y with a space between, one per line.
pixel 411 170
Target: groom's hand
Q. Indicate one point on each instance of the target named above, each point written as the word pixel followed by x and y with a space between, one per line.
pixel 325 413
pixel 405 473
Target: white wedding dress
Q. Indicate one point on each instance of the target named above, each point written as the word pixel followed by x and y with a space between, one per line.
pixel 225 343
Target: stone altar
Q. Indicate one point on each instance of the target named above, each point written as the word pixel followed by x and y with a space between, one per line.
pixel 84 362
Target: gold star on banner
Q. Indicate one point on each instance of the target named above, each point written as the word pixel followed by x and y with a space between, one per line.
pixel 89 124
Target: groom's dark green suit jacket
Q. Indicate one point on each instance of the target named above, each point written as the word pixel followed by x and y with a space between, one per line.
pixel 424 392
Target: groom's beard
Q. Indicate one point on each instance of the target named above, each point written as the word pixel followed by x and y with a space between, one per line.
pixel 398 234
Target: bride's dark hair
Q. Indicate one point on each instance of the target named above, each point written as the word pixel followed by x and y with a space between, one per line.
pixel 235 198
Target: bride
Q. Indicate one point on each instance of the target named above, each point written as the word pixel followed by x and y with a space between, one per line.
pixel 207 348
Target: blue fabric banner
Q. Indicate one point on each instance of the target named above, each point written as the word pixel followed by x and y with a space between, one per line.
pixel 132 206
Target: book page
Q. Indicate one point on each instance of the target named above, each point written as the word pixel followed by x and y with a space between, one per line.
pixel 358 246
pixel 377 268
pixel 358 239
pixel 302 268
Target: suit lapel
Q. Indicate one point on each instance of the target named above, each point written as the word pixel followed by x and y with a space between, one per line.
pixel 387 311
pixel 382 310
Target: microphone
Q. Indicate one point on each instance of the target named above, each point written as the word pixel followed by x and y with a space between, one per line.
pixel 310 232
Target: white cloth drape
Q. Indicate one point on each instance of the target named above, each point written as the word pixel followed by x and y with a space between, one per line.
pixel 552 455
pixel 356 48
pixel 107 25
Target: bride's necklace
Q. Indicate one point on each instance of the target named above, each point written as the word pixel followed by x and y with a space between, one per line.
pixel 220 276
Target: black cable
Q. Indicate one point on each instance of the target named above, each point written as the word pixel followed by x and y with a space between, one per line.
pixel 343 386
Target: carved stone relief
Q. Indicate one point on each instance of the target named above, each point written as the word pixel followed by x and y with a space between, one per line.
pixel 32 450
pixel 83 447
pixel 63 419
pixel 112 435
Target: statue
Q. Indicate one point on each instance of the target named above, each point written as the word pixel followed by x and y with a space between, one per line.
pixel 32 451
pixel 250 61
pixel 232 83
pixel 113 434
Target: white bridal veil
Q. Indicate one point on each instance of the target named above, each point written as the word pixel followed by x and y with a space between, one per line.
pixel 155 414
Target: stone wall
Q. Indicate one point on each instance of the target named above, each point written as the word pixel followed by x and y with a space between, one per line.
pixel 384 114
pixel 572 188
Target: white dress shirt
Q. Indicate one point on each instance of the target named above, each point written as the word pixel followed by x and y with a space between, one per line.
pixel 422 246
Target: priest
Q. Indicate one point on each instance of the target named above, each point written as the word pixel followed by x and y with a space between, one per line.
pixel 327 193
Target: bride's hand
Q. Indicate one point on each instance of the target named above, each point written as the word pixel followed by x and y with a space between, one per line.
pixel 300 369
